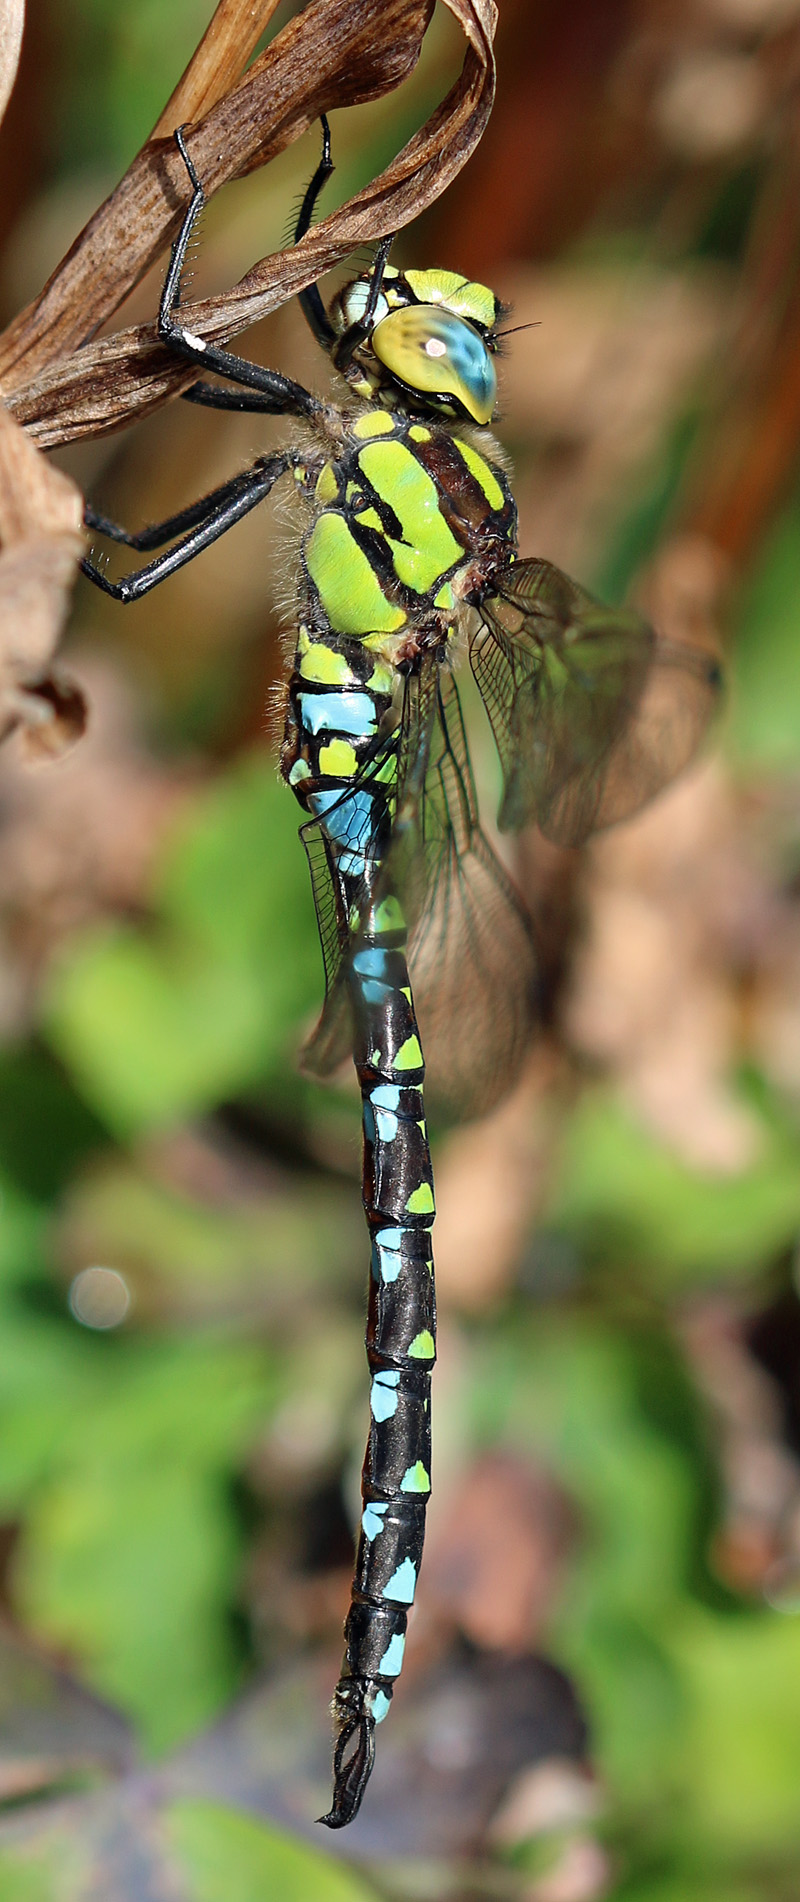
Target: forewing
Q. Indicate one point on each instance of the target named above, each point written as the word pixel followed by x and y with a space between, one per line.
pixel 592 712
pixel 332 1037
pixel 472 957
pixel 473 960
pixel 341 912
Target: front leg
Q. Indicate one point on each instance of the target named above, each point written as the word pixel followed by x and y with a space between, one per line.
pixel 278 394
pixel 205 520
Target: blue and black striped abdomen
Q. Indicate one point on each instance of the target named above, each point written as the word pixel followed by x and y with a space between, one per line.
pixel 409 519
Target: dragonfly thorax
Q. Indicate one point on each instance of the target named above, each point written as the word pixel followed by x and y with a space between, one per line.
pixel 408 517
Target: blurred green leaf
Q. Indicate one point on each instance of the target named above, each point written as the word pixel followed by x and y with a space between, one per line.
pixel 689 1886
pixel 742 1760
pixel 157 1025
pixel 567 1390
pixel 45 1129
pixel 229 1857
pixel 130 1548
pixel 262 1253
pixel 763 727
pixel 113 86
pixel 28 1877
pixel 623 1194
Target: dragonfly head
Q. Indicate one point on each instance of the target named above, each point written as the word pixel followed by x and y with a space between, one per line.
pixel 432 339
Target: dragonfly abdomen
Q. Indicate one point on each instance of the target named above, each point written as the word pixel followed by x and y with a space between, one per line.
pixel 334 719
pixel 401 1341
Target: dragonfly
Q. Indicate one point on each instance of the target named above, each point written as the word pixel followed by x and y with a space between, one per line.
pixel 408 556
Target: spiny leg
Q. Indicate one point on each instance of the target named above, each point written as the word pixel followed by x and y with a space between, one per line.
pixel 278 395
pixel 340 348
pixel 356 334
pixel 267 391
pixel 205 520
pixel 310 300
pixel 197 513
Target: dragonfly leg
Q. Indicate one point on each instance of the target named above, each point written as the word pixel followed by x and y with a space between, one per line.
pixel 309 300
pixel 355 334
pixel 204 522
pixel 194 516
pixel 278 395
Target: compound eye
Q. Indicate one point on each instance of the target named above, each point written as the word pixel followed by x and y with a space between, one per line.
pixel 354 302
pixel 438 354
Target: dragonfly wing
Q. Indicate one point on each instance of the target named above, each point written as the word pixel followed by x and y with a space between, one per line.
pixel 592 712
pixel 472 955
pixel 473 961
pixel 332 1038
pixel 341 914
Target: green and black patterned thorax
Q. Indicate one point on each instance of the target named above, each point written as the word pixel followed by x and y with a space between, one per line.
pixel 409 551
pixel 411 521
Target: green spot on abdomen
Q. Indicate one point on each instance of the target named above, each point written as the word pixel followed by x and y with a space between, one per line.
pixel 387 916
pixel 409 1055
pixel 420 1201
pixel 324 665
pixel 381 680
pixel 415 1480
pixel 423 1346
pixel 339 759
pixel 349 590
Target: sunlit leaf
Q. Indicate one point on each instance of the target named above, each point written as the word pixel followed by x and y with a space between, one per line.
pixel 229 1857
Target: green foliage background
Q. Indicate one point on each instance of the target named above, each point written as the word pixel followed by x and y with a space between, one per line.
pixel 122 1457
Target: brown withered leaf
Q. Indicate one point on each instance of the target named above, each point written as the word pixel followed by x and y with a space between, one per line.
pixel 41 513
pixel 335 53
pixel 12 20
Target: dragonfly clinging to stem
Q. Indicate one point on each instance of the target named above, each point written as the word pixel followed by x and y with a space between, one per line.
pixel 409 551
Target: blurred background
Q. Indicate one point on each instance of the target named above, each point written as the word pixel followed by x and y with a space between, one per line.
pixel 600 1696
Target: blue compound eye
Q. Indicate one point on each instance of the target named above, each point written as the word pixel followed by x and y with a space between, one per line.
pixel 433 351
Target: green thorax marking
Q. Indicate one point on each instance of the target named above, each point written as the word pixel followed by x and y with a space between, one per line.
pixel 349 590
pixel 428 483
pixel 428 547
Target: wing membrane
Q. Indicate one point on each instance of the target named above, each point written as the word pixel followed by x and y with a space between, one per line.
pixel 592 712
pixel 474 966
pixel 340 915
pixel 473 962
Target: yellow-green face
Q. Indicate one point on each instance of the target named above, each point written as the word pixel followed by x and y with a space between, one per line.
pixel 433 335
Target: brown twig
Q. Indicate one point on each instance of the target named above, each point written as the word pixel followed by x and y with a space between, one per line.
pixel 338 52
pixel 61 385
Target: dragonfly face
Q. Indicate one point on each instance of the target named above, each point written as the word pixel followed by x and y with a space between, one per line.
pixel 431 340
pixel 410 522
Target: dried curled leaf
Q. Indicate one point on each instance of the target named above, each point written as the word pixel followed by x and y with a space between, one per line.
pixel 12 20
pixel 335 53
pixel 61 386
pixel 41 513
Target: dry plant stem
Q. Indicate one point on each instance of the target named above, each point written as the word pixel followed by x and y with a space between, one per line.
pixel 234 29
pixel 336 53
pixel 746 458
pixel 327 55
pixel 41 514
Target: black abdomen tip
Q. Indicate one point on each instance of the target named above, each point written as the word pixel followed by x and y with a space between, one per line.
pixel 350 1779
